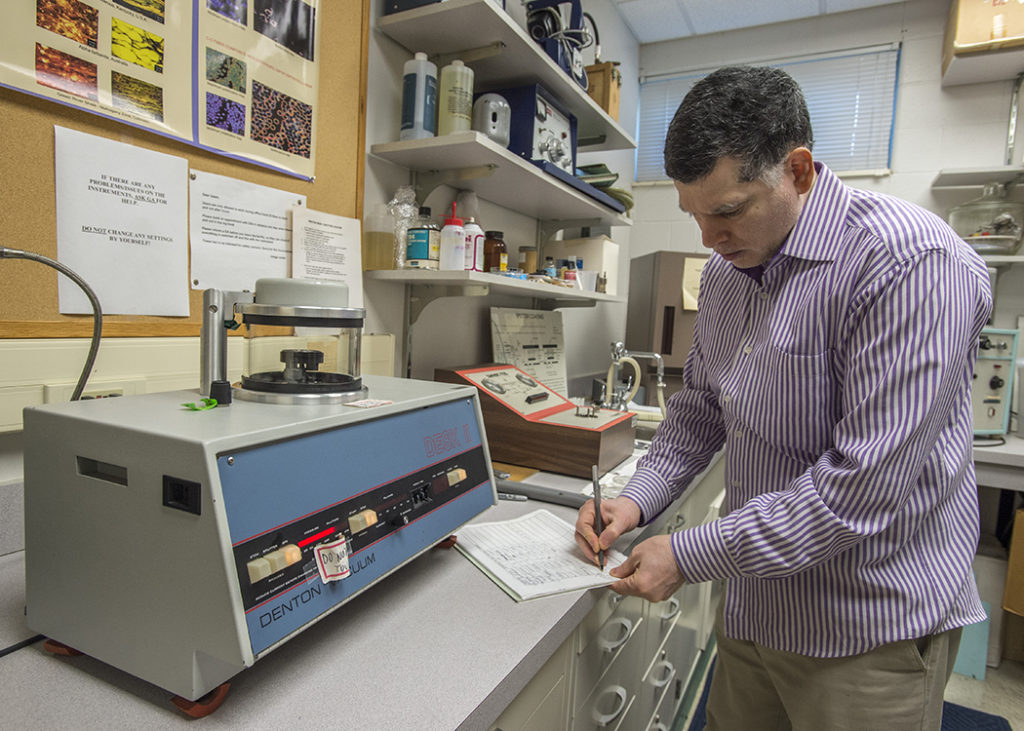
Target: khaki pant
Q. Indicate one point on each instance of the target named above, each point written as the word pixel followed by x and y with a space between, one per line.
pixel 897 687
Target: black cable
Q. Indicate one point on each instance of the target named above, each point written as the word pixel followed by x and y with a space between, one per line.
pixel 97 313
pixel 18 645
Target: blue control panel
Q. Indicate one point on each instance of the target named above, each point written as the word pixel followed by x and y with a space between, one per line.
pixel 392 487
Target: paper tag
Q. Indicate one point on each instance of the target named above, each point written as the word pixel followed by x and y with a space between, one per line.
pixel 332 560
pixel 368 403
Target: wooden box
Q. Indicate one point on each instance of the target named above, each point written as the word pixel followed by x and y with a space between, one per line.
pixel 528 424
pixel 604 82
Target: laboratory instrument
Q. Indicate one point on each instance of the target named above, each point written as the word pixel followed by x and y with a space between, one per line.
pixel 183 546
pixel 992 387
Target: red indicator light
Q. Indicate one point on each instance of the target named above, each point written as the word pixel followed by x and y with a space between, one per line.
pixel 315 537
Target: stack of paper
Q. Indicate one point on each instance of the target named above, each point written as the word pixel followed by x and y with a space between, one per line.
pixel 534 555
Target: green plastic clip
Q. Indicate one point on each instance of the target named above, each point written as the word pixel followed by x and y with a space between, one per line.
pixel 207 403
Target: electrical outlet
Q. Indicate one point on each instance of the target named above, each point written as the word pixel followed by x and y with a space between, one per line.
pixel 56 393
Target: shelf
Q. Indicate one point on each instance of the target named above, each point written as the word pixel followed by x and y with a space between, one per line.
pixel 974 177
pixel 449 28
pixel 1003 259
pixel 435 284
pixel 472 161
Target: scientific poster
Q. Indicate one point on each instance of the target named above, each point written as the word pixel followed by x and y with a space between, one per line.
pixel 238 77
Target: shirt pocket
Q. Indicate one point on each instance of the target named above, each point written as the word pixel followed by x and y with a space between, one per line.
pixel 794 402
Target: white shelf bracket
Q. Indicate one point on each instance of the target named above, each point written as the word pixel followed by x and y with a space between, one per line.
pixel 469 55
pixel 425 182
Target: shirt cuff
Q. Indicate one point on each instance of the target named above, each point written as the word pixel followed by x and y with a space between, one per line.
pixel 650 491
pixel 702 555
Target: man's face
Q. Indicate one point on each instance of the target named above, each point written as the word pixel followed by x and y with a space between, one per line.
pixel 745 223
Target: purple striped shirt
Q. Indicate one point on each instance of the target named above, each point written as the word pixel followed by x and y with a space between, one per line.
pixel 840 388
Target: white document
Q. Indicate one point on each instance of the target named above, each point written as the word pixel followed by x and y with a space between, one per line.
pixel 533 556
pixel 240 231
pixel 328 247
pixel 693 267
pixel 533 341
pixel 121 226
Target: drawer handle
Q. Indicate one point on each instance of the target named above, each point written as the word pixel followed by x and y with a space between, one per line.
pixel 624 627
pixel 668 671
pixel 671 610
pixel 603 719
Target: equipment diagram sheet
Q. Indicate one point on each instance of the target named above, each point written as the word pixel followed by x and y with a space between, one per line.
pixel 532 340
pixel 533 556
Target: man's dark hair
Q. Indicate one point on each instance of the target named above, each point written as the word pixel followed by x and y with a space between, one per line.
pixel 756 114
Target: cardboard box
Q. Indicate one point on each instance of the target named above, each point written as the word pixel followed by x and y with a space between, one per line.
pixel 599 254
pixel 990 573
pixel 1013 597
pixel 981 27
pixel 604 82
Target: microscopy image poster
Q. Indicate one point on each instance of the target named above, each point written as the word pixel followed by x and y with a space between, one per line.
pixel 238 77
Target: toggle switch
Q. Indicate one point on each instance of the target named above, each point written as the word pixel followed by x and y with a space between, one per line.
pixel 456 476
pixel 259 568
pixel 362 520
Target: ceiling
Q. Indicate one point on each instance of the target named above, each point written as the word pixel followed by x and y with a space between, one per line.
pixel 661 20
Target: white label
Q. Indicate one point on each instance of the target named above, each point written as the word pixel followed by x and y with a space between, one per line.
pixel 332 560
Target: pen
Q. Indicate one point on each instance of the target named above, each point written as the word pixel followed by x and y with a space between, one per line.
pixel 597 516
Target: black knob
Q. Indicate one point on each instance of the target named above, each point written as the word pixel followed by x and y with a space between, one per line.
pixel 221 391
pixel 985 343
pixel 996 383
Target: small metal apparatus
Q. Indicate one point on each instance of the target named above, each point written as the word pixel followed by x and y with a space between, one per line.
pixel 331 337
pixel 992 387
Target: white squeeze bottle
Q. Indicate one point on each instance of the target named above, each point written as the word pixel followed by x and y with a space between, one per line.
pixel 419 98
pixel 455 99
pixel 474 246
pixel 453 243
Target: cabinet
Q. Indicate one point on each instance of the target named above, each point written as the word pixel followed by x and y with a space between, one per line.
pixel 631 661
pixel 502 55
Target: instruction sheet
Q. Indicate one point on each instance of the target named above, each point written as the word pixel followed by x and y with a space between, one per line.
pixel 532 340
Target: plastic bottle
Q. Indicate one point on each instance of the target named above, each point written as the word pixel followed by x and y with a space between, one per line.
pixel 549 267
pixel 423 248
pixel 455 99
pixel 453 243
pixel 495 252
pixel 474 246
pixel 379 240
pixel 419 98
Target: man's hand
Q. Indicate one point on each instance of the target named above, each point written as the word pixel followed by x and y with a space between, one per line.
pixel 650 571
pixel 619 515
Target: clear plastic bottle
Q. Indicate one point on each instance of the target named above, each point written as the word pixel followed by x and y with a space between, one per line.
pixel 419 98
pixel 455 99
pixel 453 243
pixel 423 248
pixel 474 246
pixel 379 240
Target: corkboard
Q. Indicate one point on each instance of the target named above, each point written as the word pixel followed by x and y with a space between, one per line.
pixel 28 290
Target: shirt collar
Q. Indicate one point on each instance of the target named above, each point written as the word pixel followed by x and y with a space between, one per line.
pixel 816 235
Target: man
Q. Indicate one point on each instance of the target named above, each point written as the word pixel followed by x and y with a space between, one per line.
pixel 832 359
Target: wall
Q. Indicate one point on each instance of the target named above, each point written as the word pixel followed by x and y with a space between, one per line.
pixel 935 127
pixel 456 331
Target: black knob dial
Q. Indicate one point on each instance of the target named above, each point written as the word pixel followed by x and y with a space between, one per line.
pixel 996 383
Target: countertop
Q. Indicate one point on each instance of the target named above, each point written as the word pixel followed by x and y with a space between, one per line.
pixel 436 645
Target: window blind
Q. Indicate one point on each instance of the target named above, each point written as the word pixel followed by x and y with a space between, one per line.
pixel 851 97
